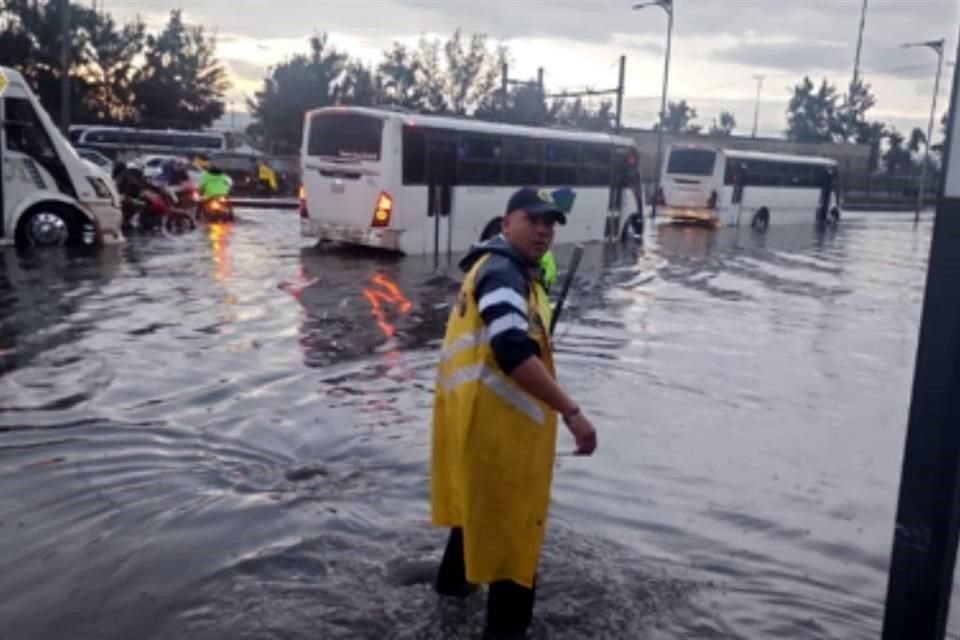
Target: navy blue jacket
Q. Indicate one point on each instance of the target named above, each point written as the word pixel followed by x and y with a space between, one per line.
pixel 501 290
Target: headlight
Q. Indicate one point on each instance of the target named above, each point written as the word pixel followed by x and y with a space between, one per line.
pixel 101 189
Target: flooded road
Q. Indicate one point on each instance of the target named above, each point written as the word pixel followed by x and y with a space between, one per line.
pixel 225 435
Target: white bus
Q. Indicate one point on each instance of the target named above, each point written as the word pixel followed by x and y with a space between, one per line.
pixel 728 187
pixel 423 185
pixel 126 143
pixel 48 194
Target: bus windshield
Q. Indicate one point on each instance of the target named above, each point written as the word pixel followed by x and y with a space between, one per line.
pixel 692 162
pixel 345 135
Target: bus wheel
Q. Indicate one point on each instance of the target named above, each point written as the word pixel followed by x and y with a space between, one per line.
pixel 49 225
pixel 632 226
pixel 761 219
pixel 492 229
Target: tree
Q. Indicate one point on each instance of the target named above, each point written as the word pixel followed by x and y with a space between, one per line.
pixel 302 83
pixel 679 118
pixel 918 139
pixel 361 86
pixel 181 83
pixel 897 159
pixel 938 148
pixel 851 123
pixel 399 74
pixel 723 125
pixel 31 41
pixel 812 113
pixel 580 116
pixel 109 70
pixel 463 79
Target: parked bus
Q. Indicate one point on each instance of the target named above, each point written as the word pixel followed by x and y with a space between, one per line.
pixel 48 194
pixel 424 185
pixel 728 187
pixel 126 143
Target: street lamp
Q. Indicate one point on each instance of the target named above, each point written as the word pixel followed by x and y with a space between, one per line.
pixel 937 46
pixel 666 5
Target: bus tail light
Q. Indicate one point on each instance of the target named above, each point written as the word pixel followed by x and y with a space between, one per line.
pixel 662 201
pixel 712 202
pixel 383 210
pixel 302 197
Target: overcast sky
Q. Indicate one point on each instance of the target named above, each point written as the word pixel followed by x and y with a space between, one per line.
pixel 718 45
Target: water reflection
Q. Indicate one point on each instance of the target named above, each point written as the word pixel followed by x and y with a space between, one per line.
pixel 218 235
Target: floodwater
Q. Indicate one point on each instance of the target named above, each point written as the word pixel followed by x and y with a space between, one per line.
pixel 226 435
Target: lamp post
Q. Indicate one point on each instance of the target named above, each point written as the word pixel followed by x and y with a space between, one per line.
pixel 666 5
pixel 937 46
pixel 756 106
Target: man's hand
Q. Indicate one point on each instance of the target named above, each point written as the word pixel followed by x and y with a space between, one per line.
pixel 584 434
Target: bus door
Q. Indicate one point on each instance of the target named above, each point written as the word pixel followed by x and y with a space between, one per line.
pixel 620 175
pixel 441 176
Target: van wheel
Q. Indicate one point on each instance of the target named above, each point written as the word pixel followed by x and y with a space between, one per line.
pixel 632 226
pixel 50 225
pixel 761 219
pixel 492 229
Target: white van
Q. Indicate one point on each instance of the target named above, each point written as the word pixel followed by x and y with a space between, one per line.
pixel 49 195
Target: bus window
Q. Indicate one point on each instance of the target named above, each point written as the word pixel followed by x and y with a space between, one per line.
pixel 26 134
pixel 523 161
pixel 345 135
pixel 562 153
pixel 596 166
pixel 560 176
pixel 526 150
pixel 479 148
pixel 414 154
pixel 516 174
pixel 692 162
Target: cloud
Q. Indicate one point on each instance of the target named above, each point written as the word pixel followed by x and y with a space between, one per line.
pixel 788 55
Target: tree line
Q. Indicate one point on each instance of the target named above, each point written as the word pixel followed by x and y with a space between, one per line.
pixel 459 76
pixel 121 74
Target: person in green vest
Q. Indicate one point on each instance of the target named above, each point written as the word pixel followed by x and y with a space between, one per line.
pixel 213 183
pixel 564 198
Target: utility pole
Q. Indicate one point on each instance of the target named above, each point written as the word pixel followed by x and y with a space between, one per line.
pixel 756 106
pixel 540 79
pixel 937 47
pixel 65 66
pixel 927 524
pixel 623 70
pixel 856 59
pixel 666 5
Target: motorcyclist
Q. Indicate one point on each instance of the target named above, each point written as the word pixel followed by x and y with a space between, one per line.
pixel 213 183
pixel 138 195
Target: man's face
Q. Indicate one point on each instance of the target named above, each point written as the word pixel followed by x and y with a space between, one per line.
pixel 530 235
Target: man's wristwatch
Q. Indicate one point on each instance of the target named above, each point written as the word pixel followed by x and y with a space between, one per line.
pixel 568 417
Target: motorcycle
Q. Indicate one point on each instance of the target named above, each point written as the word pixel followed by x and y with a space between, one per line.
pixel 153 209
pixel 215 209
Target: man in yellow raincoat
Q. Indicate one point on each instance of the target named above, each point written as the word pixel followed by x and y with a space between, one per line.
pixel 495 415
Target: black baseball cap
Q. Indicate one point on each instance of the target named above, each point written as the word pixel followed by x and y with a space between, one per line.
pixel 536 202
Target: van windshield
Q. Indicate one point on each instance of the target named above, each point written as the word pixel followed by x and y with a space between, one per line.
pixel 692 162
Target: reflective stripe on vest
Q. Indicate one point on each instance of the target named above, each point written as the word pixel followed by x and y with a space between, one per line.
pixel 508 392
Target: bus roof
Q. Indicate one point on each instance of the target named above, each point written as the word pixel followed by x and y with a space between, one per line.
pixel 782 157
pixel 741 154
pixel 480 126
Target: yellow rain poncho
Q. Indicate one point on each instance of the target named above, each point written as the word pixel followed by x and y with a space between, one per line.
pixel 493 446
